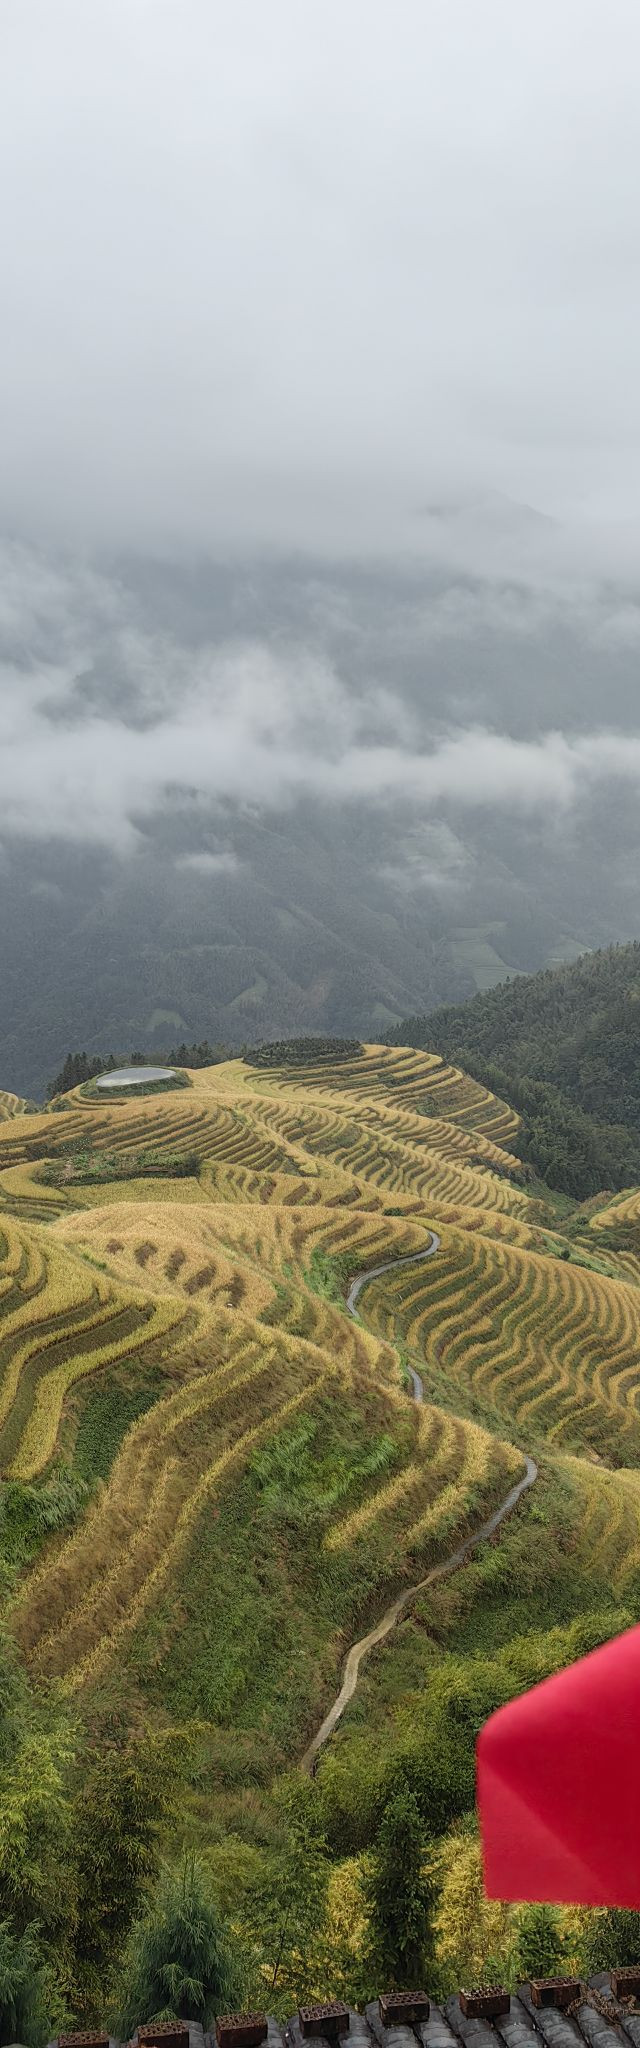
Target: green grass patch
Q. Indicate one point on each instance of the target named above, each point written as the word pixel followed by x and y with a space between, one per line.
pixel 31 1513
pixel 87 1165
pixel 328 1274
pixel 254 1635
pixel 103 1414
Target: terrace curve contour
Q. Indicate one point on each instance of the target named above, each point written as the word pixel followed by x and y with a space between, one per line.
pixel 438 1571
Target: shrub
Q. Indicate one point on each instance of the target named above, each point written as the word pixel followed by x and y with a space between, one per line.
pixel 23 1987
pixel 400 1896
pixel 302 1052
pixel 543 1948
pixel 180 1958
pixel 612 1940
pixel 123 1799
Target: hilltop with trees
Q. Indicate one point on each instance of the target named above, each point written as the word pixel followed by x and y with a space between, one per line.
pixel 563 1046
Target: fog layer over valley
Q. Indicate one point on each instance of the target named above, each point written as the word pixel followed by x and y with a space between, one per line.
pixel 249 798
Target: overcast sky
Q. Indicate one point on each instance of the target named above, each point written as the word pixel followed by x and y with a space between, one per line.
pixel 323 275
pixel 289 271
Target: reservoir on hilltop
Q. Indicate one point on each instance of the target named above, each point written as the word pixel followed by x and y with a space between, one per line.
pixel 135 1077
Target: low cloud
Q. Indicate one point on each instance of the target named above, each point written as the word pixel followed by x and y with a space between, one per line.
pixel 432 857
pixel 110 723
pixel 249 735
pixel 209 863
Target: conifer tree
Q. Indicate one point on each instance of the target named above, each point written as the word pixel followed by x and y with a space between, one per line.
pixel 542 1944
pixel 117 1815
pixel 401 1898
pixel 180 1959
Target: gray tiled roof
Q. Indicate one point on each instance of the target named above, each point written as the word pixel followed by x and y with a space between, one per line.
pixel 595 2019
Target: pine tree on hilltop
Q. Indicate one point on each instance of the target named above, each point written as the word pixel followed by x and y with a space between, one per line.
pixel 78 1068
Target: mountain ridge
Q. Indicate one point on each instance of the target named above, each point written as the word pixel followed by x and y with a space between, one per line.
pixel 564 1046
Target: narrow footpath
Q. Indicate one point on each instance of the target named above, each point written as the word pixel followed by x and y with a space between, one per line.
pixel 360 1280
pixel 438 1571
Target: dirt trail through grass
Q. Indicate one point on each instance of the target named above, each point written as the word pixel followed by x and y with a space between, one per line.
pixel 438 1571
pixel 373 1273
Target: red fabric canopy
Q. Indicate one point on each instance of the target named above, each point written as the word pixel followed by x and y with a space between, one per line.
pixel 559 1785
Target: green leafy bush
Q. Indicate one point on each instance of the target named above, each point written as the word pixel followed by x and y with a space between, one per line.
pixel 302 1052
pixel 180 1958
pixel 25 1990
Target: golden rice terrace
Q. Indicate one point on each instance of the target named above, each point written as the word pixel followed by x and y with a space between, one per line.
pixel 256 1482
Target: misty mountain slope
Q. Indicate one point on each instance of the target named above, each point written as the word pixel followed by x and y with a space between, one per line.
pixel 301 935
pixel 158 953
pixel 246 799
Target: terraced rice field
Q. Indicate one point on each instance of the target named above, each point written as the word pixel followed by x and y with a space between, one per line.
pixel 552 1347
pixel 280 1241
pixel 73 1614
pixel 282 1469
pixel 417 1080
pixel 606 1520
pixel 624 1208
pixel 60 1320
pixel 10 1105
pixel 78 1610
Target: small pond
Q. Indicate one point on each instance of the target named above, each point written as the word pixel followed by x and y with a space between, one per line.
pixel 135 1077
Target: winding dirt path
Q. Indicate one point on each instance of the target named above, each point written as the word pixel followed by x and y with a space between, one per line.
pixel 438 1571
pixel 391 1265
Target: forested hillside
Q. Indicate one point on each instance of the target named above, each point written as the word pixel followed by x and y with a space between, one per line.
pixel 564 1046
pixel 222 1468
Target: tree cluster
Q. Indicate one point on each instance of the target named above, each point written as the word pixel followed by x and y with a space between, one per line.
pixel 302 1052
pixel 93 1922
pixel 563 1047
pixel 79 1067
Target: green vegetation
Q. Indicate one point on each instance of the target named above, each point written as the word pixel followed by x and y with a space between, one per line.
pixel 286 1903
pixel 179 1961
pixel 400 1898
pixel 29 1514
pixel 25 1988
pixel 104 1414
pixel 564 1047
pixel 79 1822
pixel 79 1067
pixel 302 1052
pixel 543 1944
pixel 178 1079
pixel 215 1482
pixel 532 1604
pixel 261 1594
pixel 612 1940
pixel 201 1055
pixel 122 1798
pixel 89 1167
pixel 328 1274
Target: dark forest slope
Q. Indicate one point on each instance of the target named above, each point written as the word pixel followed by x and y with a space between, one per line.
pixel 564 1046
